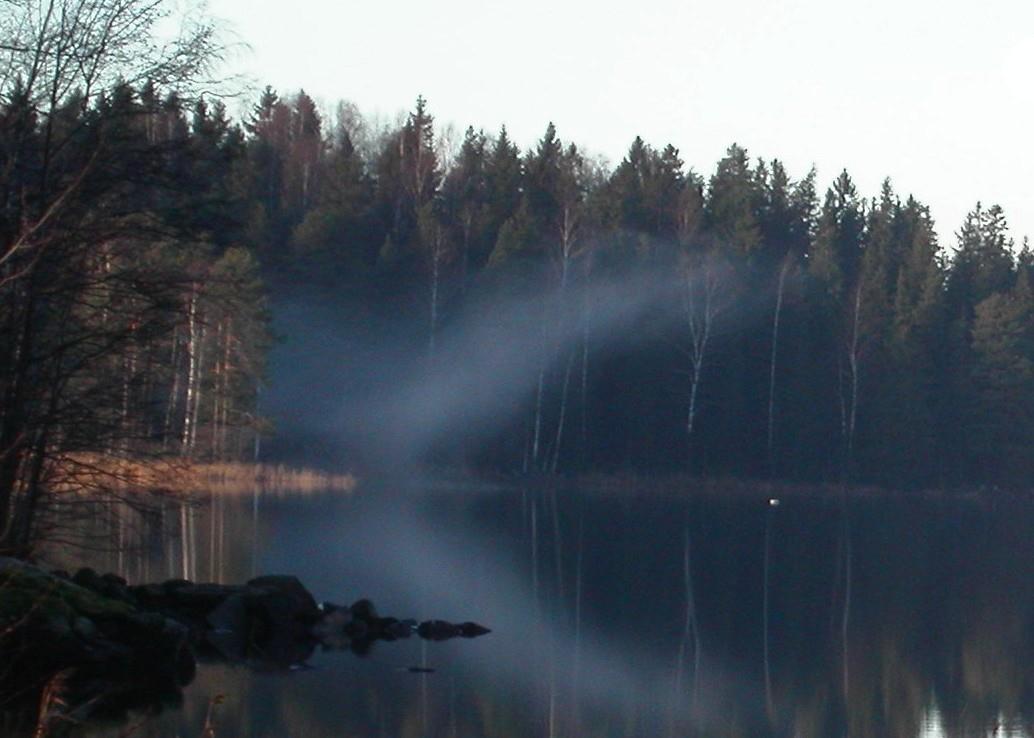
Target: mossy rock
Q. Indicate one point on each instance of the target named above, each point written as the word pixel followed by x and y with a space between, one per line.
pixel 26 591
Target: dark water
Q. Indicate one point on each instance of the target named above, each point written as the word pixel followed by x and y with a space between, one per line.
pixel 631 615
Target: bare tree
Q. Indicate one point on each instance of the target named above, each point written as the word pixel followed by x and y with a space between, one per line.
pixel 76 301
pixel 57 52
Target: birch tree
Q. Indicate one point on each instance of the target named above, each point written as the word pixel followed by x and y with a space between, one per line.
pixel 705 296
pixel 777 314
pixel 76 149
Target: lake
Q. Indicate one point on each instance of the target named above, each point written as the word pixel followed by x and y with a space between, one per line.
pixel 626 614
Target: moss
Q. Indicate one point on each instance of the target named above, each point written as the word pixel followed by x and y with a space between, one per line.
pixel 25 591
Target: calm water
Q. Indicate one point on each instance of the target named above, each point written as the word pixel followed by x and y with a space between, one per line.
pixel 630 615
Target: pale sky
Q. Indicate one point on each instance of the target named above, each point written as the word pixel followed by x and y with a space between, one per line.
pixel 936 94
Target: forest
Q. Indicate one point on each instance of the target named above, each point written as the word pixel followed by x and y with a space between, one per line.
pixel 791 333
pixel 795 333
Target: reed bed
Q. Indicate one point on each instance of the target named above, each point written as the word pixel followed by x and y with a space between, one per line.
pixel 85 473
pixel 238 478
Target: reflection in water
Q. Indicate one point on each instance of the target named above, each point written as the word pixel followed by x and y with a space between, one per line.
pixel 626 616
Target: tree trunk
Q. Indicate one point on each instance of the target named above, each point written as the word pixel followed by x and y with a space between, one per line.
pixel 585 385
pixel 538 416
pixel 853 364
pixel 197 390
pixel 435 276
pixel 772 364
pixel 189 417
pixel 14 433
pixel 174 392
pixel 563 413
pixel 227 398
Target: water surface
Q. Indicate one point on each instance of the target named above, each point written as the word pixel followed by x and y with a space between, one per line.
pixel 629 615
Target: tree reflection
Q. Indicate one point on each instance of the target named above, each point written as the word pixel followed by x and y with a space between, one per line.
pixel 728 621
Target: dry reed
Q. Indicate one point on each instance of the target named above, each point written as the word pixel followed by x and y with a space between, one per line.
pixel 85 473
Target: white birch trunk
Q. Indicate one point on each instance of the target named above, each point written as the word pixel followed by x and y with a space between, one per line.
pixel 585 381
pixel 170 407
pixel 537 432
pixel 563 414
pixel 701 310
pixel 192 370
pixel 772 365
pixel 197 388
pixel 217 391
pixel 435 276
pixel 227 399
pixel 853 364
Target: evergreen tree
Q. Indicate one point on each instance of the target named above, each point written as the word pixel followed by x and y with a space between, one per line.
pixel 465 201
pixel 732 200
pixel 983 262
pixel 503 184
pixel 1003 386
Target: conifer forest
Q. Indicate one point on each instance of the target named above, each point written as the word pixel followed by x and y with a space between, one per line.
pixel 785 328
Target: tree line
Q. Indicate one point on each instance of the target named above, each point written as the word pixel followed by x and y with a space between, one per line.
pixel 815 334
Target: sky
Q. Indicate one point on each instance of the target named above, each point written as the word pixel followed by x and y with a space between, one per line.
pixel 938 95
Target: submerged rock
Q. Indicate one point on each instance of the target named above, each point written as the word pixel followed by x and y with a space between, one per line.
pixel 119 647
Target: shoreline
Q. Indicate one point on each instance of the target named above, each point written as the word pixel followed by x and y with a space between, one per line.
pixel 630 484
pixel 85 473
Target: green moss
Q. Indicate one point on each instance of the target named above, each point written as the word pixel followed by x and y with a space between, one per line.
pixel 25 591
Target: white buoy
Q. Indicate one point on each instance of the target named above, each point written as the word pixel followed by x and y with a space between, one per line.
pixel 773 502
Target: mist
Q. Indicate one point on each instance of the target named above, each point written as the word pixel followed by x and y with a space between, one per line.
pixel 409 555
pixel 380 397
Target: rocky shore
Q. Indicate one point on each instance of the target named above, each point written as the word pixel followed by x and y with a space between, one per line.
pixel 110 647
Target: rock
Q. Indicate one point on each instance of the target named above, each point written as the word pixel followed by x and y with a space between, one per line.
pixel 201 598
pixel 440 630
pixel 357 629
pixel 331 625
pixel 135 646
pixel 148 594
pixel 399 628
pixel 55 626
pixel 230 615
pixel 113 579
pixel 228 628
pixel 437 630
pixel 287 599
pixel 84 628
pixel 171 585
pixel 473 630
pixel 150 621
pixel 87 577
pixel 7 562
pixel 364 609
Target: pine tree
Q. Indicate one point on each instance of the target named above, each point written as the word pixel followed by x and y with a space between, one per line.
pixel 983 262
pixel 732 200
pixel 503 184
pixel 465 202
pixel 1003 386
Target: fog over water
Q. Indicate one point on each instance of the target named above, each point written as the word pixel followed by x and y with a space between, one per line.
pixel 586 595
